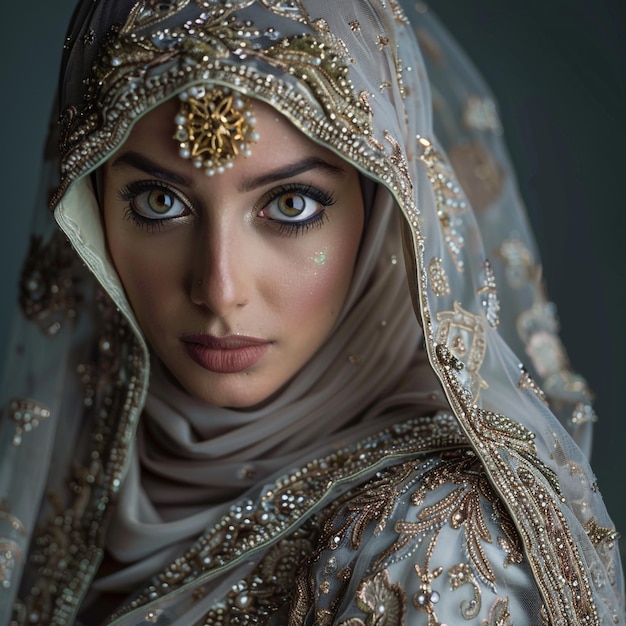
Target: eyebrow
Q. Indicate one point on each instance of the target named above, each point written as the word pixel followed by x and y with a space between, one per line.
pixel 289 171
pixel 138 161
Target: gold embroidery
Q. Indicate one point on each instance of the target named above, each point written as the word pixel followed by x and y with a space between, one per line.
pixel 481 114
pixel 375 503
pixel 438 277
pixel 526 381
pixel 460 575
pixel 600 534
pixel 355 518
pixel 583 413
pixel 511 543
pixel 518 263
pixel 145 14
pixel 448 199
pixel 269 584
pixel 538 328
pixel 398 160
pixel 65 549
pixel 383 603
pixel 121 85
pixel 464 334
pixel 252 524
pixel 489 295
pixel 426 598
pixel 462 507
pixel 547 352
pixel 398 12
pixel 480 176
pixel 48 290
pixel 534 499
pixel 499 614
pixel 382 41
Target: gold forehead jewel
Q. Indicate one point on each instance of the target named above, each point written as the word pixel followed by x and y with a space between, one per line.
pixel 214 125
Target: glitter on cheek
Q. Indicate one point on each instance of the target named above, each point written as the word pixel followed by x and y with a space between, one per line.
pixel 319 258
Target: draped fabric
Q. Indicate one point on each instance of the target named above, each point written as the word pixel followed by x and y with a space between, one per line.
pixel 445 360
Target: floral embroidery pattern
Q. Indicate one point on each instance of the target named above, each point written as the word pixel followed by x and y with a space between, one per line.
pixel 132 67
pixel 464 334
pixel 534 490
pixel 438 277
pixel 460 575
pixel 383 603
pixel 461 508
pixel 449 199
pixel 499 614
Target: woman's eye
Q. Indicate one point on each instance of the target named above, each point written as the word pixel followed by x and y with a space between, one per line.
pixel 158 204
pixel 150 201
pixel 294 206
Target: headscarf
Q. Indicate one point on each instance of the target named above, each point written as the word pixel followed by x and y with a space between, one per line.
pixel 352 77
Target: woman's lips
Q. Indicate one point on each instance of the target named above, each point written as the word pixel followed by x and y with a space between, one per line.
pixel 225 355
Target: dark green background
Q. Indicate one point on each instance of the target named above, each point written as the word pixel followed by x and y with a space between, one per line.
pixel 557 68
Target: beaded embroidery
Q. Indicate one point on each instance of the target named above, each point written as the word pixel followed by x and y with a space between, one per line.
pixel 135 61
pixel 48 289
pixel 531 493
pixel 132 73
pixel 66 550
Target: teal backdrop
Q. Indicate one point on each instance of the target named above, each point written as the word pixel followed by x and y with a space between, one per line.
pixel 558 70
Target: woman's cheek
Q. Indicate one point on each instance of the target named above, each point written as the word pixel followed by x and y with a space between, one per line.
pixel 322 282
pixel 145 273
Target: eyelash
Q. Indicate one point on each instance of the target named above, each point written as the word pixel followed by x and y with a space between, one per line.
pixel 293 229
pixel 286 228
pixel 129 192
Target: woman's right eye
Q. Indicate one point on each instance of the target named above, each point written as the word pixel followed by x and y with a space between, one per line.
pixel 154 202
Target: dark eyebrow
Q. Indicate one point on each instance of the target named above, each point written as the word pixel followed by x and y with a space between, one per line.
pixel 288 171
pixel 140 162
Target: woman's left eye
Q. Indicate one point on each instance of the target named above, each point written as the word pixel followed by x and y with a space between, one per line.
pixel 292 205
pixel 295 206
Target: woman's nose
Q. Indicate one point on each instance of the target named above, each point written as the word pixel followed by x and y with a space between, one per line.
pixel 220 280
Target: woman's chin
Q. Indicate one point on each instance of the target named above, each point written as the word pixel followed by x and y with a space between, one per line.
pixel 240 392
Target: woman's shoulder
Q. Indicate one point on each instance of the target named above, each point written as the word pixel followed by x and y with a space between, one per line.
pixel 425 540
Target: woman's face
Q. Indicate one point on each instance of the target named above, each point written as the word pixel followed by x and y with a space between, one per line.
pixel 237 278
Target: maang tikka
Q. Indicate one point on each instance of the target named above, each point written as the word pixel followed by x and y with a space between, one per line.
pixel 214 125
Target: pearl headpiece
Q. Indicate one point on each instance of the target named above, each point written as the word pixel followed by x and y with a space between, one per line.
pixel 214 125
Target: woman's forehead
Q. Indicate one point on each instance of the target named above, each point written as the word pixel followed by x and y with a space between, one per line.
pixel 279 145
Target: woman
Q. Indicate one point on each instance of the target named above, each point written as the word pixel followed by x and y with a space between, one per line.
pixel 267 422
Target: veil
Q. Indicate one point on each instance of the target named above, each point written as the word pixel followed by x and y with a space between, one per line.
pixel 418 121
